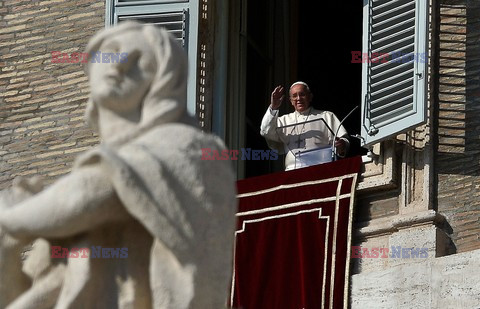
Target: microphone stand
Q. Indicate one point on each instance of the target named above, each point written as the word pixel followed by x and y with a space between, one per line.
pixel 334 149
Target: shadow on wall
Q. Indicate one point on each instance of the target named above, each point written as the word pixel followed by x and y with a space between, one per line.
pixel 457 163
pixel 458 114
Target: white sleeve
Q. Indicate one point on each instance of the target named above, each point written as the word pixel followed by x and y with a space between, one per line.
pixel 268 128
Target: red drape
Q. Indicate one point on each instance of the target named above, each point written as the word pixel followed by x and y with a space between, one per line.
pixel 292 241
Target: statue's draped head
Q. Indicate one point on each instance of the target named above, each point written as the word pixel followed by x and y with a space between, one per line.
pixel 136 68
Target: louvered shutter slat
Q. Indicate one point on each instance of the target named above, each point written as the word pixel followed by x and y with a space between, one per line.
pixel 390 47
pixel 403 24
pixel 379 71
pixel 385 91
pixel 393 97
pixel 394 79
pixel 394 105
pixel 396 114
pixel 390 97
pixel 173 22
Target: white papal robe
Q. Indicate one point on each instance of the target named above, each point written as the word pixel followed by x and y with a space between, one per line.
pixel 298 139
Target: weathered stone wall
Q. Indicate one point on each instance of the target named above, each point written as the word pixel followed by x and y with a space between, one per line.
pixel 445 282
pixel 42 103
pixel 457 167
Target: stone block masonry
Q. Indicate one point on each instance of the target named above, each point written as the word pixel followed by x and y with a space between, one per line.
pixel 42 103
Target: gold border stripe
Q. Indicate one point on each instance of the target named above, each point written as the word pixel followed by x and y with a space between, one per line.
pixel 295 185
pixel 291 205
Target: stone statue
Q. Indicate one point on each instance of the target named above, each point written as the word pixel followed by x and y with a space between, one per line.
pixel 141 221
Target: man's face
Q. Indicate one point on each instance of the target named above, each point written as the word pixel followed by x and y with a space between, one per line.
pixel 300 97
pixel 121 85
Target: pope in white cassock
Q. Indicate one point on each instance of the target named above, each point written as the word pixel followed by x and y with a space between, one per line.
pixel 307 134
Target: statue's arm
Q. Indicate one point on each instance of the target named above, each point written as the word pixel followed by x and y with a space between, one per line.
pixel 75 203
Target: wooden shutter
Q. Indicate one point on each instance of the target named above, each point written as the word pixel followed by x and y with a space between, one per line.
pixel 394 67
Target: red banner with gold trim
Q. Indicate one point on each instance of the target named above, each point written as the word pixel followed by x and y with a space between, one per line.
pixel 292 242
